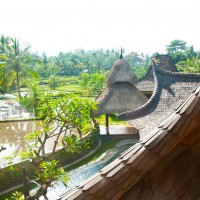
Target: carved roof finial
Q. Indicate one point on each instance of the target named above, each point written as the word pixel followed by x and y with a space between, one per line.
pixel 121 56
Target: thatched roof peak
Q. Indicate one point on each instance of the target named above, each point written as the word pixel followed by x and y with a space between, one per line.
pixel 121 72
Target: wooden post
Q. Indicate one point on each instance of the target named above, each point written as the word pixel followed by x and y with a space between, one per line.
pixel 25 183
pixel 107 125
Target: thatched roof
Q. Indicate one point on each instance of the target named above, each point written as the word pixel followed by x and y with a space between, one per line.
pixel 121 72
pixel 120 97
pixel 120 94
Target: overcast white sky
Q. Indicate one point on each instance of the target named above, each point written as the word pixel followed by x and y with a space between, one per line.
pixel 144 26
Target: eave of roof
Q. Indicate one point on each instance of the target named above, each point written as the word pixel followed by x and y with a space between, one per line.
pixel 119 97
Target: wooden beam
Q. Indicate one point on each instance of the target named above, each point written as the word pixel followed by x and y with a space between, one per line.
pixel 107 124
pixel 25 183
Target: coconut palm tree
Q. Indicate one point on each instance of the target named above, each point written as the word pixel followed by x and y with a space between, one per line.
pixel 18 64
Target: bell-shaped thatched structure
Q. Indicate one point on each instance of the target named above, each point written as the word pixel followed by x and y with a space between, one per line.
pixel 120 95
pixel 121 72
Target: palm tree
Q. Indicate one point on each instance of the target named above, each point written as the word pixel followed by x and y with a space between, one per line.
pixel 17 64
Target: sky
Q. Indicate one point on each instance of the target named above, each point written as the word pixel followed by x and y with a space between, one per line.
pixel 143 26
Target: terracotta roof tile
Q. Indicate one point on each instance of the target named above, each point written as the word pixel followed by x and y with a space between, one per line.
pixel 125 176
pixel 87 181
pixel 74 194
pixel 107 187
pixel 124 172
pixel 117 195
pixel 176 118
pixel 88 197
pixel 140 156
pixel 115 170
pixel 172 195
pixel 156 139
pixel 179 123
pixel 170 120
pixel 149 136
pixel 169 93
pixel 194 186
pixel 135 150
pixel 169 180
pixel 186 196
pixel 151 163
pixel 97 186
pixel 109 194
pixel 132 179
pixel 121 173
pixel 169 145
pixel 190 103
pixel 110 166
pixel 145 160
pixel 90 184
pixel 132 149
pixel 159 194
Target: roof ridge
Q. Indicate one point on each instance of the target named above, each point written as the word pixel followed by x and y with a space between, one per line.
pixel 144 108
pixel 153 101
pixel 178 74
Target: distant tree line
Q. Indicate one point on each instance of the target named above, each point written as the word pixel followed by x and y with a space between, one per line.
pixel 17 63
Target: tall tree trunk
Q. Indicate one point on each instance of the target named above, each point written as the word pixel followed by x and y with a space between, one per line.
pixel 18 87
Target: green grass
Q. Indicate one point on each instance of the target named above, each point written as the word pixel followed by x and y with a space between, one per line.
pixel 69 88
pixel 113 120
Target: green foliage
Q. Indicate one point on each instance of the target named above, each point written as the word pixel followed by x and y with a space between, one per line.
pixel 34 97
pixel 72 144
pixel 10 175
pixel 54 81
pixel 141 71
pixel 92 84
pixel 176 46
pixel 28 154
pixel 17 196
pixel 191 65
pixel 7 160
pixel 18 64
pixel 113 120
pixel 49 172
pixel 60 115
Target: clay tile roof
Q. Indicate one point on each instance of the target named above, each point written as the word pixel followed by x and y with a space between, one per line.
pixel 147 83
pixel 115 179
pixel 171 90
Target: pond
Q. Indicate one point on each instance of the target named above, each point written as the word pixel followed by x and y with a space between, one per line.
pixel 11 109
pixel 12 133
pixel 15 124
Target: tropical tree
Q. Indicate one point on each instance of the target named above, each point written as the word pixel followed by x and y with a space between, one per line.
pixel 176 46
pixel 18 64
pixel 92 84
pixel 191 65
pixel 176 50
